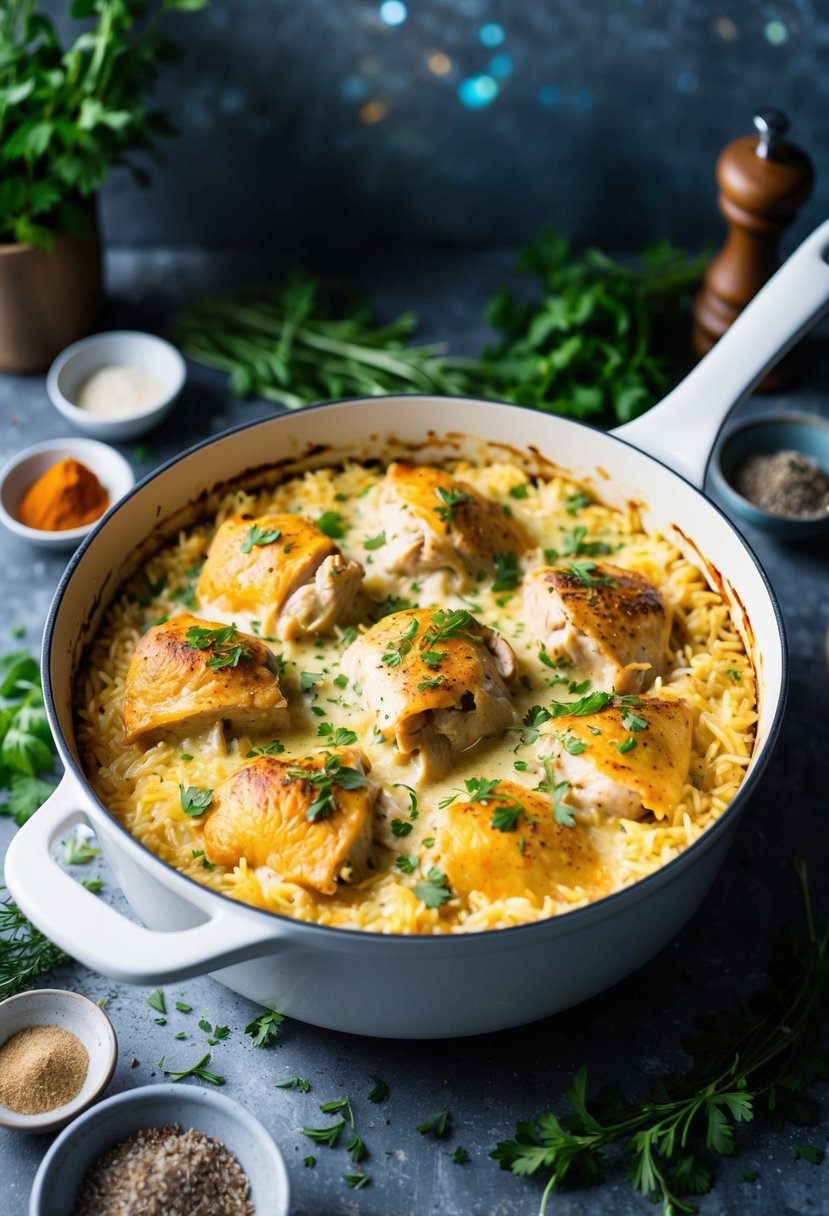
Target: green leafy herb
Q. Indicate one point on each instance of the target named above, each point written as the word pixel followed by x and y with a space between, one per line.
pixel 437 1124
pixel 808 1152
pixel 627 745
pixel 752 1058
pixel 407 865
pixel 309 1162
pixel 265 1028
pixel 294 1083
pixel 576 502
pixel 356 1149
pixel 445 625
pixel 196 1070
pixel 333 773
pixel 400 785
pixel 325 1135
pixel 505 818
pixel 557 790
pixel 375 542
pixel 356 1181
pixel 574 545
pixel 507 573
pixel 459 1156
pixel 450 500
pixel 71 113
pixel 633 722
pixel 257 536
pixel 26 795
pixel 379 1093
pixel 307 680
pixel 24 951
pixel 337 1105
pixel 520 491
pixel 589 575
pixel 274 748
pixel 26 747
pixel 430 683
pixel 227 652
pixel 396 651
pixel 339 737
pixel 77 850
pixel 572 744
pixel 400 827
pixel 331 523
pixel 734 673
pixel 156 1001
pixel 194 800
pixel 183 1007
pixel 433 891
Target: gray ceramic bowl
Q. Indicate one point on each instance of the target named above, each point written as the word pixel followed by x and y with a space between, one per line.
pixel 802 433
pixel 81 1017
pixel 65 1165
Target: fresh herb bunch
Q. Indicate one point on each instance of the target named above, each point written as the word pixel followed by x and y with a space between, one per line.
pixel 24 952
pixel 69 115
pixel 744 1062
pixel 599 340
pixel 282 343
pixel 26 748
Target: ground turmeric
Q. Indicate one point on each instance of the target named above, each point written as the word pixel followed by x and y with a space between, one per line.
pixel 68 495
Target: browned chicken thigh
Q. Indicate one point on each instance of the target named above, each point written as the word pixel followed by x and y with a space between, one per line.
pixel 187 674
pixel 508 845
pixel 433 522
pixel 626 759
pixel 282 569
pixel 611 622
pixel 436 681
pixel 306 818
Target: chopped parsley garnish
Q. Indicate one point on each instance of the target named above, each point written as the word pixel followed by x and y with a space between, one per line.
pixel 197 1070
pixel 633 722
pixel 356 1149
pixel 449 501
pixel 572 744
pixel 77 851
pixel 406 864
pixel 399 785
pixel 259 536
pixel 458 1156
pixel 156 1001
pixel 339 737
pixel 574 545
pixel 505 818
pixel 520 491
pixel 436 1124
pixel 734 673
pixel 307 680
pixel 445 626
pixel 562 813
pixel 400 827
pixel 333 773
pixel 194 800
pixel 227 652
pixel 430 683
pixel 380 1091
pixel 507 574
pixel 574 502
pixel 183 1007
pixel 340 681
pixel 395 652
pixel 433 890
pixel 309 1162
pixel 337 1105
pixel 294 1083
pixel 274 748
pixel 356 1181
pixel 265 1029
pixel 554 664
pixel 375 542
pixel 331 523
pixel 627 745
pixel 325 1135
pixel 392 604
pixel 592 704
pixel 589 575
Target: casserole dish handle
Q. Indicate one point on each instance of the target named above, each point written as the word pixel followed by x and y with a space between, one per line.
pixel 102 938
pixel 682 429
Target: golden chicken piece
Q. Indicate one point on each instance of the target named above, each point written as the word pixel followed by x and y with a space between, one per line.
pixel 433 522
pixel 626 759
pixel 610 622
pixel 436 680
pixel 281 569
pixel 187 674
pixel 508 845
pixel 306 818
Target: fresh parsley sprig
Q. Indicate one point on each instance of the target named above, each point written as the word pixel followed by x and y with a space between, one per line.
pixel 324 780
pixel 743 1063
pixel 227 650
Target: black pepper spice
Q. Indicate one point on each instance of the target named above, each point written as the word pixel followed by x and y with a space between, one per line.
pixel 784 483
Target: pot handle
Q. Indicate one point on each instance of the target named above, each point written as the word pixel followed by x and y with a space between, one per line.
pixel 681 431
pixel 102 938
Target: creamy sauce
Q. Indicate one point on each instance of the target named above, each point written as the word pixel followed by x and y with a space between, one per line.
pixel 119 391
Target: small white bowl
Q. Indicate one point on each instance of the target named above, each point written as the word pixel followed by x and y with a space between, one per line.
pixel 83 1018
pixel 121 348
pixel 115 474
pixel 64 1167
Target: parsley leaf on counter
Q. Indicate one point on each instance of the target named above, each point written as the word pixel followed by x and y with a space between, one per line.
pixel 265 1029
pixel 156 1001
pixel 325 1135
pixel 437 1124
pixel 380 1091
pixel 77 850
pixel 755 1057
pixel 294 1083
pixel 196 1070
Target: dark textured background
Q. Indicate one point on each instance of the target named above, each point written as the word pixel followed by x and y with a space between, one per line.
pixel 313 124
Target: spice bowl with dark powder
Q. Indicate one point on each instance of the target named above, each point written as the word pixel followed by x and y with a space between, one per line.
pixel 57 1055
pixel 163 1150
pixel 773 473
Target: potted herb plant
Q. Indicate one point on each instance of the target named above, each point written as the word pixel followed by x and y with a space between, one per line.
pixel 69 115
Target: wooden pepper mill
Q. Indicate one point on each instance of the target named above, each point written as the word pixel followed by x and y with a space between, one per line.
pixel 763 181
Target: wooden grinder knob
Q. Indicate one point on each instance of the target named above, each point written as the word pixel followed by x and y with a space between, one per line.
pixel 763 180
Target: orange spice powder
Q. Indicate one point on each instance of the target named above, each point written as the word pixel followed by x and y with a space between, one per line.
pixel 68 495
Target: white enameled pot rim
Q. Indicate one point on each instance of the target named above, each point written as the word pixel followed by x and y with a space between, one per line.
pixel 489 938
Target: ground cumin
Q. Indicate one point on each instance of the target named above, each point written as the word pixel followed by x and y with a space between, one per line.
pixel 163 1171
pixel 41 1068
pixel 68 495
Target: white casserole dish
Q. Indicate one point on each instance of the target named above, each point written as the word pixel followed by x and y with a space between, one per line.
pixel 394 986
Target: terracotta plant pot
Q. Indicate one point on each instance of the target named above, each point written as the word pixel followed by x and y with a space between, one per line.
pixel 48 299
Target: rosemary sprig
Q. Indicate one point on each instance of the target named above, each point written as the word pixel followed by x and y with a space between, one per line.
pixel 742 1063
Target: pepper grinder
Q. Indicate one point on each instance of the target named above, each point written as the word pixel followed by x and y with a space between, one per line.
pixel 764 180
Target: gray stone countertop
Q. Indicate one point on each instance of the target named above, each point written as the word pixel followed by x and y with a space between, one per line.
pixel 628 1036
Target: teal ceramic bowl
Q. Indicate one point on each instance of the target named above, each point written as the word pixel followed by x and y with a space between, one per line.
pixel 802 433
